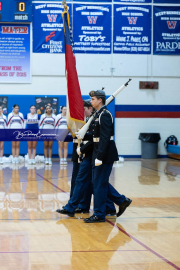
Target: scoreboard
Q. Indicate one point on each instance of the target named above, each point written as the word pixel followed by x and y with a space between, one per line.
pixel 15 11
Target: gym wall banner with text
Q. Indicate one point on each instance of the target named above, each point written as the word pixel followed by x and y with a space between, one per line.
pixel 48 31
pixel 166 40
pixel 15 53
pixel 167 1
pixel 134 1
pixel 92 28
pixel 132 29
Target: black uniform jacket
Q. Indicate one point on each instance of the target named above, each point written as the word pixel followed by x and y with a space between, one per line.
pixel 74 153
pixel 102 127
pixel 87 146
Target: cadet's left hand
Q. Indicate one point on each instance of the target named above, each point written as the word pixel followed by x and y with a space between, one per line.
pixel 78 150
pixel 98 162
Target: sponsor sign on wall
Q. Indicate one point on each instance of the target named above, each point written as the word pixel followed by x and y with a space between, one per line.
pixel 48 31
pixel 166 38
pixel 134 1
pixel 132 29
pixel 15 53
pixel 92 28
pixel 167 1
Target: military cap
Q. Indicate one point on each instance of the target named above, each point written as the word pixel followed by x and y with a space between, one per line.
pixel 87 103
pixel 97 93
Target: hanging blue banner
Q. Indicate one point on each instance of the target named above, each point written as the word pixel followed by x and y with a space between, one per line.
pixel 94 1
pixel 92 28
pixel 167 1
pixel 15 53
pixel 48 31
pixel 132 29
pixel 134 1
pixel 166 30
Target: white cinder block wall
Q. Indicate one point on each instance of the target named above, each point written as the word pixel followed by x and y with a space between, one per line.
pixel 95 71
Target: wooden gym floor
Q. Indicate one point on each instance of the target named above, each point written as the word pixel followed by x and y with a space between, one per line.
pixel 34 237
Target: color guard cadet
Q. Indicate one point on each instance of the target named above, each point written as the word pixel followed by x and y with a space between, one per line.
pixel 82 186
pixel 104 155
pixel 81 198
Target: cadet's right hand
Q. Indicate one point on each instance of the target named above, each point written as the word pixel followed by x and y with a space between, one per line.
pixel 77 135
pixel 78 150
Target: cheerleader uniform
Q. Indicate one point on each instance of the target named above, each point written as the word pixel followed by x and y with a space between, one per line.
pixel 15 122
pixel 3 122
pixel 61 123
pixel 47 122
pixel 3 125
pixel 32 121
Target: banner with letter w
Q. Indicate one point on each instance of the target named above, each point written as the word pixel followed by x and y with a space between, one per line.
pixel 166 30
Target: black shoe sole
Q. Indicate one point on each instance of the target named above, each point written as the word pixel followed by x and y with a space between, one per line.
pixel 95 221
pixel 124 208
pixel 81 212
pixel 67 214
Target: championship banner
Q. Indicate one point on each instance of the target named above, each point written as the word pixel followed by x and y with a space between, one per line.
pixel 92 28
pixel 166 30
pixel 15 53
pixel 134 1
pixel 132 29
pixel 167 1
pixel 48 32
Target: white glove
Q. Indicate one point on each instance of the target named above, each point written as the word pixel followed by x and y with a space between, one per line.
pixel 78 151
pixel 77 135
pixel 98 162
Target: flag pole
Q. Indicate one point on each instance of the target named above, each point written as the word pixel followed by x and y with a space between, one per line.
pixel 66 11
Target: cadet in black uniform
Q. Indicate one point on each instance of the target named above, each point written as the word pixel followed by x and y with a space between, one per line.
pixel 104 155
pixel 75 165
pixel 83 189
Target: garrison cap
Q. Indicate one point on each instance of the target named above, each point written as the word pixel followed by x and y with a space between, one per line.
pixel 87 103
pixel 97 93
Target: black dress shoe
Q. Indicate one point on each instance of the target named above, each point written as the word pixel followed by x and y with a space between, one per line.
pixel 80 210
pixel 110 213
pixel 123 206
pixel 93 219
pixel 65 212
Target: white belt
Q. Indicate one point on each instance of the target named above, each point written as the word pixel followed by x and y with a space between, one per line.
pixel 84 142
pixel 76 141
pixel 97 139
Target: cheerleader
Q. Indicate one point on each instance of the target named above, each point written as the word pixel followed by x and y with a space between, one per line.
pixel 32 122
pixel 47 121
pixel 15 121
pixel 61 123
pixel 3 125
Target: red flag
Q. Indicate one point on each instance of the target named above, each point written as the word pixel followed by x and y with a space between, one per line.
pixel 75 107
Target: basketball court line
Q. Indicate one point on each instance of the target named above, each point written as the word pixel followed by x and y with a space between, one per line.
pixel 132 237
pixel 143 245
pixel 52 184
pixel 66 251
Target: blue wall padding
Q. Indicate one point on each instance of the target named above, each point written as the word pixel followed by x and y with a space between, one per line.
pixel 25 101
